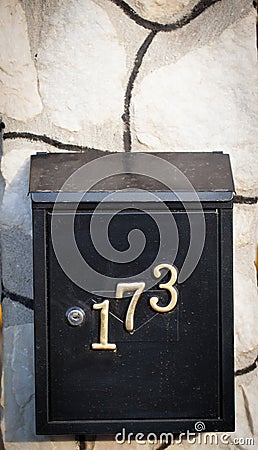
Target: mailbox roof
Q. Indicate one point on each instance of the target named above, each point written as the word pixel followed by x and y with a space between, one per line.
pixel 209 175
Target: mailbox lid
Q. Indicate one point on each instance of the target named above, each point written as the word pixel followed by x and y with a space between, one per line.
pixel 209 174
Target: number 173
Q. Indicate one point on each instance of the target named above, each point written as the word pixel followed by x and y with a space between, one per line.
pixel 137 288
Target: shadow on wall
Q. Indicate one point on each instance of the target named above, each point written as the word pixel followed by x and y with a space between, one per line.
pixel 16 243
pixel 18 334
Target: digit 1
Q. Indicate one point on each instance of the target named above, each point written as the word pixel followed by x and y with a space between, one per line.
pixel 104 344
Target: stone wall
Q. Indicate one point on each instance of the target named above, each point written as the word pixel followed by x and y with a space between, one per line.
pixel 154 75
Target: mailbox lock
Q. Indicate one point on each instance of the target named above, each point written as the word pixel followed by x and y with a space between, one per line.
pixel 75 316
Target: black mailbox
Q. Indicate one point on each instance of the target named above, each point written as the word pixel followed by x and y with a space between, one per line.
pixel 133 292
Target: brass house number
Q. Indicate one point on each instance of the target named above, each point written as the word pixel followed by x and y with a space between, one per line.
pixel 138 288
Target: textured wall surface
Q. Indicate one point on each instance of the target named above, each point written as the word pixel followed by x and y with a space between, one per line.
pixel 155 75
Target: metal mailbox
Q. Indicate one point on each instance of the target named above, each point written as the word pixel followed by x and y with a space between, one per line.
pixel 133 292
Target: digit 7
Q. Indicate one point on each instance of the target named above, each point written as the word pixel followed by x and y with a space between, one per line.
pixel 127 287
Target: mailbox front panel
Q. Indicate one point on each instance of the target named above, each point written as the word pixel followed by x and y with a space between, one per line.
pixel 171 371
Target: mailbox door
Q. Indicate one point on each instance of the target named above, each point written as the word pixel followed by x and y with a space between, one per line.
pixel 168 373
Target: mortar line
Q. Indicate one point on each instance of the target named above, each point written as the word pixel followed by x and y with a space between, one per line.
pixel 163 446
pixel 240 199
pixel 12 135
pixel 81 442
pixel 48 140
pixel 247 369
pixel 23 300
pixel 198 9
pixel 128 94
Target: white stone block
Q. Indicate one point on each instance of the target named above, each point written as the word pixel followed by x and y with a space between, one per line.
pixel 81 66
pixel 16 207
pixel 245 169
pixel 19 97
pixel 17 264
pixel 245 287
pixel 205 101
pixel 18 385
pixel 42 445
pixel 250 395
pixel 112 445
pixel 159 10
pixel 245 226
